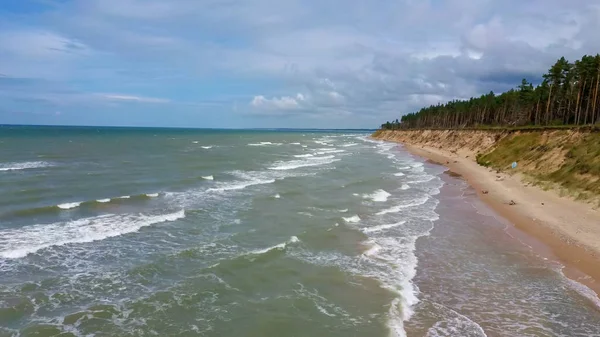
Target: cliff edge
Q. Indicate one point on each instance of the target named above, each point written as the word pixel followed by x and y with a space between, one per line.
pixel 567 161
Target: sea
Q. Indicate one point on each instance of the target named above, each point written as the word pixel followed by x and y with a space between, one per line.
pixel 183 232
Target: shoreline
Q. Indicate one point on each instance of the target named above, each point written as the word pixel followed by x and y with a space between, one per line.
pixel 556 228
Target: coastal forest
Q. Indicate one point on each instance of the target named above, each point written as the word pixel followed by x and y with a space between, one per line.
pixel 568 95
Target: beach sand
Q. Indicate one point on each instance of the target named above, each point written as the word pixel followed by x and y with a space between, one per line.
pixel 570 230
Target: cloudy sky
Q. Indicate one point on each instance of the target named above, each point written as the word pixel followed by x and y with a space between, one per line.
pixel 272 63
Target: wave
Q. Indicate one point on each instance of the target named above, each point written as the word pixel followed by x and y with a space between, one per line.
pixel 207 147
pixel 398 208
pixel 152 195
pixel 19 242
pixel 24 165
pixel 352 219
pixel 294 164
pixel 277 196
pixel 350 144
pixel 69 205
pixel 124 197
pixel 303 155
pixel 281 246
pixel 240 185
pixel 295 144
pixel 195 142
pixel 103 200
pixel 264 144
pixel 378 196
pixel 399 174
pixel 208 177
pixel 382 227
pixel 404 187
pixel 345 210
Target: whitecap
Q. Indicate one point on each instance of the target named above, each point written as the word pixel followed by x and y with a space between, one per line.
pixel 195 142
pixel 69 205
pixel 352 219
pixel 103 200
pixel 207 147
pixel 303 155
pixel 277 196
pixel 345 210
pixel 399 174
pixel 380 228
pixel 378 196
pixel 398 208
pixel 152 195
pixel 125 197
pixel 24 165
pixel 281 246
pixel 404 187
pixel 240 185
pixel 19 242
pixel 208 177
pixel 294 164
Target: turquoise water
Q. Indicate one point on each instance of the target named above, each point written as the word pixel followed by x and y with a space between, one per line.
pixel 141 232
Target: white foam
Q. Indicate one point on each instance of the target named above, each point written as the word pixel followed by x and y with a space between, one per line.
pixel 240 185
pixel 382 227
pixel 208 177
pixel 321 158
pixel 378 196
pixel 103 200
pixel 207 147
pixel 264 144
pixel 399 174
pixel 152 195
pixel 125 197
pixel 350 144
pixel 404 187
pixel 281 246
pixel 373 250
pixel 345 210
pixel 352 219
pixel 303 155
pixel 195 142
pixel 19 242
pixel 277 196
pixel 328 151
pixel 69 205
pixel 294 143
pixel 24 165
pixel 398 208
pixel 294 164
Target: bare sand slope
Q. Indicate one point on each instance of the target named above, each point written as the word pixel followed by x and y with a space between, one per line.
pixel 571 229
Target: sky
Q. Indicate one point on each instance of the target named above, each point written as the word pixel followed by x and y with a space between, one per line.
pixel 272 63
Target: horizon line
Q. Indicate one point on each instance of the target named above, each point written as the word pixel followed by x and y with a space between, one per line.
pixel 176 127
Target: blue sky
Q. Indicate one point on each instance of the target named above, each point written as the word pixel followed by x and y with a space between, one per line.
pixel 268 63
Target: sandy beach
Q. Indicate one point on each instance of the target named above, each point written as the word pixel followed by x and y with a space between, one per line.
pixel 570 230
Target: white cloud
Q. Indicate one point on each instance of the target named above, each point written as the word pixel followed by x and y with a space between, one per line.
pixel 373 62
pixel 130 98
pixel 282 103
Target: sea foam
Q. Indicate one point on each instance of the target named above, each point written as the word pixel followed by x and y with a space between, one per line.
pixel 378 196
pixel 24 165
pixel 19 242
pixel 69 205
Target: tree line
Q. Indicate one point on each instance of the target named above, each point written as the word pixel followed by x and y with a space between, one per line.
pixel 568 95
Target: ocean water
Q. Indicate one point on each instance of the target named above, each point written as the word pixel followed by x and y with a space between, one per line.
pixel 168 232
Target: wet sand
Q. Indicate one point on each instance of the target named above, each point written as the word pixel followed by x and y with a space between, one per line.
pixel 558 228
pixel 481 276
